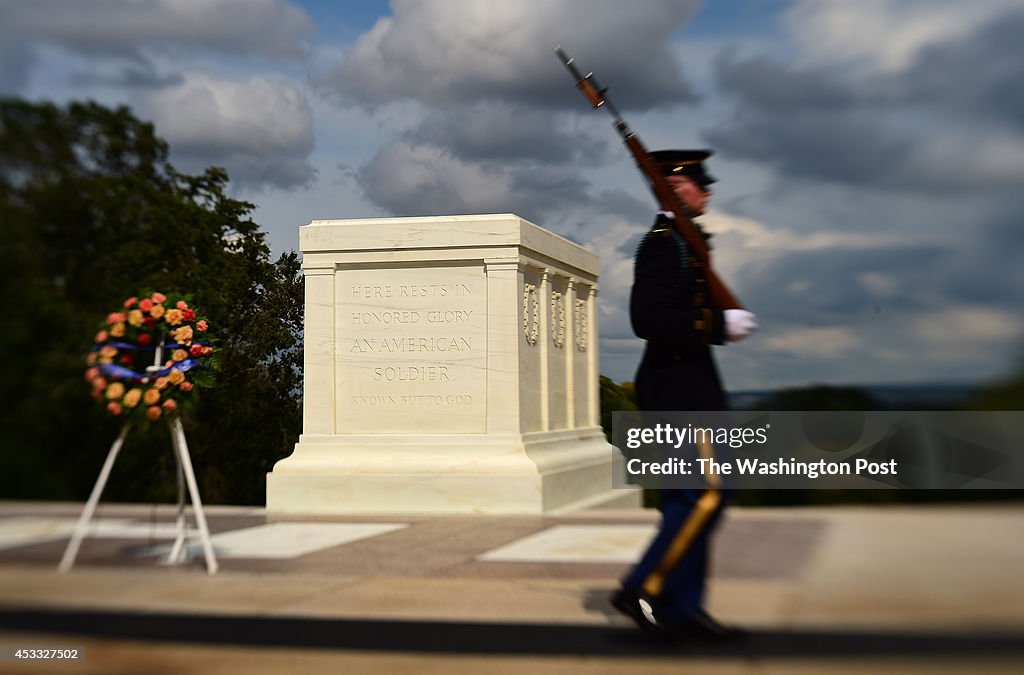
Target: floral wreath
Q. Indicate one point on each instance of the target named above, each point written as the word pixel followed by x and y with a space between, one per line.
pixel 145 331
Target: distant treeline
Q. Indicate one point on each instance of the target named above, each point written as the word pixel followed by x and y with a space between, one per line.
pixel 1005 395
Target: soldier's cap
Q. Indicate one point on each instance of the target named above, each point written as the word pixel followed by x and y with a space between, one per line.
pixel 689 163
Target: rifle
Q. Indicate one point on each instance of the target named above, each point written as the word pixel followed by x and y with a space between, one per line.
pixel 721 296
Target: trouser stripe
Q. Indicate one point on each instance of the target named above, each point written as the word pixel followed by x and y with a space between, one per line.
pixel 691 528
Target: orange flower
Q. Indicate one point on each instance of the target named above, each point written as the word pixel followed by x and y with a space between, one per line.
pixel 131 399
pixel 176 377
pixel 161 383
pixel 179 355
pixel 157 311
pixel 185 386
pixel 173 317
pixel 115 391
pixel 114 408
pixel 153 413
pixel 151 397
pixel 135 318
pixel 117 330
pixel 183 335
pixel 170 405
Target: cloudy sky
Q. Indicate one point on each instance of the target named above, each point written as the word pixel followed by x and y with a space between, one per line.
pixel 871 153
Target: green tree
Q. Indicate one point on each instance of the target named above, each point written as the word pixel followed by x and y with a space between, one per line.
pixel 820 397
pixel 614 397
pixel 1007 394
pixel 92 212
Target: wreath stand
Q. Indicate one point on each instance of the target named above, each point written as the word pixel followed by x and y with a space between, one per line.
pixel 186 476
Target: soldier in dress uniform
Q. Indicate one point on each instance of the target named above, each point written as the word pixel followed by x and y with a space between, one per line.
pixel 671 309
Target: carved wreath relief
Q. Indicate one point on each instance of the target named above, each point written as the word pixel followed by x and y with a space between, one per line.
pixel 581 325
pixel 558 319
pixel 531 313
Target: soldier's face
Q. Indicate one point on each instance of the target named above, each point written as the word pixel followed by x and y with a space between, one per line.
pixel 694 197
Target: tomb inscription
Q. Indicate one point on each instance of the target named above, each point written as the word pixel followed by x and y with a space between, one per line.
pixel 411 350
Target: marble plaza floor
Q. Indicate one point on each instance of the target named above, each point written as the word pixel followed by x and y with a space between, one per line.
pixel 840 589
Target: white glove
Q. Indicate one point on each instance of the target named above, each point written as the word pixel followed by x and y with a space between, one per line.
pixel 739 323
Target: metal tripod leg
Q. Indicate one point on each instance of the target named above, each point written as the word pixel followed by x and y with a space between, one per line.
pixel 177 554
pixel 71 551
pixel 181 449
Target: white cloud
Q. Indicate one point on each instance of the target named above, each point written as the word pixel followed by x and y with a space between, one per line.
pixel 821 342
pixel 451 51
pixel 885 35
pixel 967 328
pixel 269 28
pixel 261 131
pixel 879 284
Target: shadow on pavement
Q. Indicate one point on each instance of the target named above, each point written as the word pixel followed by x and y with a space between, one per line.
pixel 490 638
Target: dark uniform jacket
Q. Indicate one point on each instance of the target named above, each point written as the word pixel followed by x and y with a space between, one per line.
pixel 670 308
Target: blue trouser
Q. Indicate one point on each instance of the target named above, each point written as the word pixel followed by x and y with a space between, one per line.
pixel 673 569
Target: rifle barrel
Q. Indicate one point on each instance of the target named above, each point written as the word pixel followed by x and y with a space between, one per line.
pixel 721 296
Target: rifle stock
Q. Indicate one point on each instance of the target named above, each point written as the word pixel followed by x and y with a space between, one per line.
pixel 721 296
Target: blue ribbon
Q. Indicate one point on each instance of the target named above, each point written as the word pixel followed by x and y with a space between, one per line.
pixel 134 347
pixel 122 373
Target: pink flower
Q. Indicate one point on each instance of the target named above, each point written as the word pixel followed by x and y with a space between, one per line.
pixel 153 413
pixel 185 386
pixel 114 408
pixel 116 317
pixel 182 305
pixel 102 336
pixel 170 405
pixel 159 297
pixel 146 305
pixel 130 301
pixel 201 325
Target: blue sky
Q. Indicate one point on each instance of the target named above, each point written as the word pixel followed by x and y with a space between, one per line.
pixel 870 153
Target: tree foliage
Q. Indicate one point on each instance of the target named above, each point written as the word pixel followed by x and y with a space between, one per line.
pixel 614 398
pixel 92 212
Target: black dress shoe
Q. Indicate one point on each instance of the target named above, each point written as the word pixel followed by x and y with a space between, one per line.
pixel 641 610
pixel 701 626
